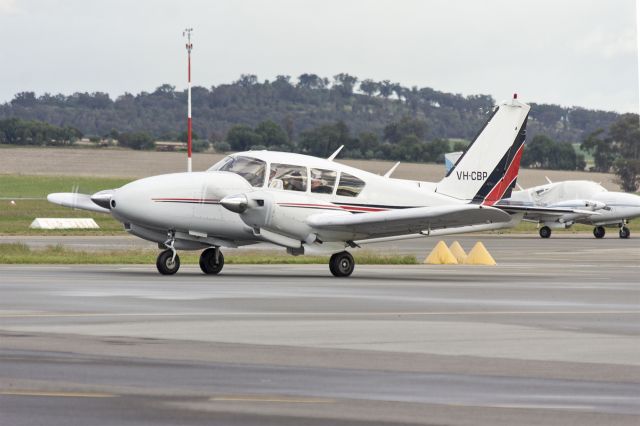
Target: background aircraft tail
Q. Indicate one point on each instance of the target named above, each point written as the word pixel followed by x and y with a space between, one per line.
pixel 488 169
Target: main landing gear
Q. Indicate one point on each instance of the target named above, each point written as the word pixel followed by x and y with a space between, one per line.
pixel 211 261
pixel 598 231
pixel 342 264
pixel 545 232
pixel 624 232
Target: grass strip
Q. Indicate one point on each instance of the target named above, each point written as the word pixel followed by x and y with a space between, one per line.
pixel 19 253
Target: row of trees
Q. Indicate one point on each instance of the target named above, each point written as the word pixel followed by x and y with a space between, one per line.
pixel 296 104
pixel 545 153
pixel 15 131
pixel 403 140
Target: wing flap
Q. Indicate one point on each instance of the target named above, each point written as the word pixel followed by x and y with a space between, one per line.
pixel 406 221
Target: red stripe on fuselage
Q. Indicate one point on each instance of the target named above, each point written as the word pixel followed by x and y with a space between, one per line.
pixel 334 207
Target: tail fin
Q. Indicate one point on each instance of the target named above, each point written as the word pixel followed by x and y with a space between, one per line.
pixel 488 169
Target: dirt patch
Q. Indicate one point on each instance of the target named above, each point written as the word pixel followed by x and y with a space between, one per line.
pixel 136 164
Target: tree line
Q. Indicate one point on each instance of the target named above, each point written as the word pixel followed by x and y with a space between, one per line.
pixel 615 149
pixel 296 104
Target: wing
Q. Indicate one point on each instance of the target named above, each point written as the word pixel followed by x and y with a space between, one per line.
pixel 407 221
pixel 75 201
pixel 542 214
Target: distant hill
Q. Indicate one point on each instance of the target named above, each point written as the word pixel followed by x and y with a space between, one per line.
pixel 300 105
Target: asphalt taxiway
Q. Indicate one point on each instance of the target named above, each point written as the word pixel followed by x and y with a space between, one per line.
pixel 548 336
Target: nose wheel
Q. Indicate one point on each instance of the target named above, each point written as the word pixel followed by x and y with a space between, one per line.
pixel 168 263
pixel 211 261
pixel 342 264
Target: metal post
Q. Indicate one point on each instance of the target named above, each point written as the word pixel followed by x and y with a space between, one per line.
pixel 189 46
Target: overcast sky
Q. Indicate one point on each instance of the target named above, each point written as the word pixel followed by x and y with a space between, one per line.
pixel 569 52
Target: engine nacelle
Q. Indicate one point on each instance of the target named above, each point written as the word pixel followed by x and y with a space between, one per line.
pixel 280 213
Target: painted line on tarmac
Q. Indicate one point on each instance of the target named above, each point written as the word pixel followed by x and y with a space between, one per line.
pixel 306 314
pixel 271 399
pixel 56 394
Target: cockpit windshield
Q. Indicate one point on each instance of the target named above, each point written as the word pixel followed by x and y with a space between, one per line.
pixel 252 169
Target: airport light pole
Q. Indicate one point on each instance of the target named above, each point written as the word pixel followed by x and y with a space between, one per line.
pixel 187 33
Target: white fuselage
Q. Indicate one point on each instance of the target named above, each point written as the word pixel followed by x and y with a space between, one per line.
pixel 189 203
pixel 609 208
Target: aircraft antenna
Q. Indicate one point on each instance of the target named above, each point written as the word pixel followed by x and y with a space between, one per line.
pixel 189 46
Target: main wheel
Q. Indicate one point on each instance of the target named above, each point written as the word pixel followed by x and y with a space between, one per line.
pixel 167 266
pixel 545 232
pixel 598 231
pixel 208 262
pixel 624 232
pixel 342 264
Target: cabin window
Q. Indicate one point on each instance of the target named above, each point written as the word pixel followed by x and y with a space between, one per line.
pixel 252 169
pixel 349 186
pixel 322 181
pixel 288 177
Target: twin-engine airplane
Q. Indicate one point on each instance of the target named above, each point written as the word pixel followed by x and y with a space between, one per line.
pixel 597 206
pixel 307 203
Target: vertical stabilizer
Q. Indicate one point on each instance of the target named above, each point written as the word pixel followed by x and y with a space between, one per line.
pixel 487 170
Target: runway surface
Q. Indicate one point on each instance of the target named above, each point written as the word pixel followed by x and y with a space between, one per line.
pixel 549 337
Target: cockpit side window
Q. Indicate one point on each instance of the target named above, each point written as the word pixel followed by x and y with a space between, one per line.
pixel 252 169
pixel 288 177
pixel 322 181
pixel 349 186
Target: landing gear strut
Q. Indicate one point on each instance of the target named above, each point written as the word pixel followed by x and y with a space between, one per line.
pixel 624 232
pixel 211 261
pixel 342 264
pixel 598 231
pixel 168 261
pixel 545 232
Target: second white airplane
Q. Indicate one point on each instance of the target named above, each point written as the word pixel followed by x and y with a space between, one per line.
pixel 307 203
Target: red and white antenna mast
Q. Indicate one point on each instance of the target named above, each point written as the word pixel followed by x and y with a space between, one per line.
pixel 187 33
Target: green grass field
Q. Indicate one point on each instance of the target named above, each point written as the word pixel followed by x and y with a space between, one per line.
pixel 29 194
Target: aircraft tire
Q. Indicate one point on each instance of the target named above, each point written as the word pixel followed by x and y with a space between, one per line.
pixel 545 232
pixel 208 263
pixel 624 232
pixel 342 264
pixel 598 231
pixel 164 264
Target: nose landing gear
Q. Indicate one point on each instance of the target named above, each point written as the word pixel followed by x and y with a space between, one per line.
pixel 168 261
